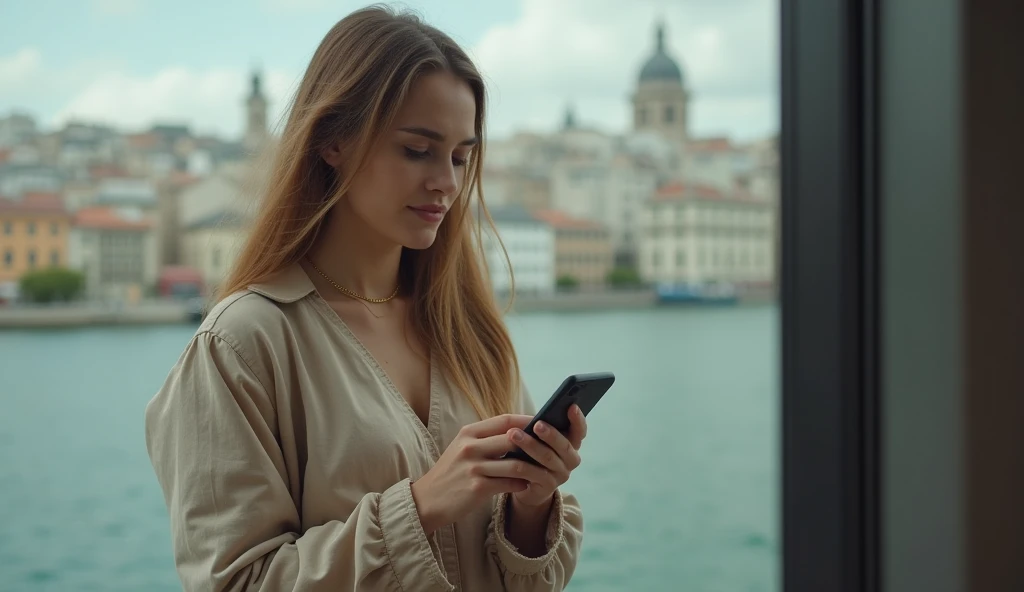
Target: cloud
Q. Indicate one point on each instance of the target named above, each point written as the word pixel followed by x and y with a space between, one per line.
pixel 210 101
pixel 589 52
pixel 584 52
pixel 20 68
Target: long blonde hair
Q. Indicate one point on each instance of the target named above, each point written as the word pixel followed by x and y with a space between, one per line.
pixel 354 85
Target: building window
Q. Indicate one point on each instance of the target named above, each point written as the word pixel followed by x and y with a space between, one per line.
pixel 8 228
pixel 31 228
pixel 32 259
pixel 54 228
pixel 8 258
pixel 642 116
pixel 681 258
pixel 670 114
pixel 55 258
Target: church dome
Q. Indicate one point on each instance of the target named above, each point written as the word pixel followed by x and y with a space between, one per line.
pixel 660 66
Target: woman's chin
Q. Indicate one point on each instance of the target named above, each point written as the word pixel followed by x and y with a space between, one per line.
pixel 420 240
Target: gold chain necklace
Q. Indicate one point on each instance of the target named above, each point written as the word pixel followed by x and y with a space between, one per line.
pixel 352 294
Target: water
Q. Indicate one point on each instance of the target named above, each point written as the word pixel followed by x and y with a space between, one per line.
pixel 678 485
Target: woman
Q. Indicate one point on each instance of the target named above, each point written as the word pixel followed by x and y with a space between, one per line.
pixel 338 420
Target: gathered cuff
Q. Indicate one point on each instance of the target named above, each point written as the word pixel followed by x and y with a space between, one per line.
pixel 405 541
pixel 509 556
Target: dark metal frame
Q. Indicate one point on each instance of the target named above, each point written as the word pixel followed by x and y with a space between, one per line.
pixel 830 314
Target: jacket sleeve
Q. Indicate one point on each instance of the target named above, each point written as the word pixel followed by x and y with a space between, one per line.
pixel 563 539
pixel 211 434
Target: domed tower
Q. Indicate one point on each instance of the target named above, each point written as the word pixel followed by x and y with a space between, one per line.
pixel 661 100
pixel 256 117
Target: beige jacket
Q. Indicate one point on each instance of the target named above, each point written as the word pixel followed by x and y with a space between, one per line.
pixel 285 455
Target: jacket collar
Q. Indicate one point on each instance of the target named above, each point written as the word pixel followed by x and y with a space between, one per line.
pixel 287 285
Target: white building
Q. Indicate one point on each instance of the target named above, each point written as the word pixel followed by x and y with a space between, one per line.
pixel 610 192
pixel 116 249
pixel 696 234
pixel 530 244
pixel 211 246
pixel 228 189
pixel 717 162
pixel 17 129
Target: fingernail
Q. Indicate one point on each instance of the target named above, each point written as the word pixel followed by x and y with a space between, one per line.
pixel 517 436
pixel 577 411
pixel 541 427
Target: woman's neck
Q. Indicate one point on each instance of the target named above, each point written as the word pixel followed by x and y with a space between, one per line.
pixel 354 256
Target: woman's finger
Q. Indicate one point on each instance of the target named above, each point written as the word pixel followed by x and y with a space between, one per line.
pixel 518 469
pixel 489 447
pixel 577 426
pixel 538 451
pixel 568 457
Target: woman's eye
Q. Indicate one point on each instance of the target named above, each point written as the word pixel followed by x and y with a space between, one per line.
pixel 417 155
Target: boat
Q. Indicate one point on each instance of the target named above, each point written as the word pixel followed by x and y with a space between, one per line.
pixel 716 293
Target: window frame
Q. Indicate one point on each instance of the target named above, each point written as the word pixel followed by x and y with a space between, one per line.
pixel 830 511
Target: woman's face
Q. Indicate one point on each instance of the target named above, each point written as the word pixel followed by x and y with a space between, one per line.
pixel 413 176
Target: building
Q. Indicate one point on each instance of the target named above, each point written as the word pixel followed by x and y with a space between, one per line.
pixel 17 129
pixel 33 234
pixel 116 249
pixel 229 189
pixel 211 245
pixel 169 233
pixel 696 234
pixel 716 162
pixel 583 248
pixel 530 189
pixel 256 117
pixel 611 192
pixel 530 244
pixel 661 101
pixel 16 179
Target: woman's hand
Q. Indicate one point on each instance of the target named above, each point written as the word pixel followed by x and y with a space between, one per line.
pixel 558 455
pixel 469 474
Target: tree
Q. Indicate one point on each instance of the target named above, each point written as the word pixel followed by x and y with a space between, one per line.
pixel 55 284
pixel 623 277
pixel 567 282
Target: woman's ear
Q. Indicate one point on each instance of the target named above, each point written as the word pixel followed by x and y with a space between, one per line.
pixel 332 155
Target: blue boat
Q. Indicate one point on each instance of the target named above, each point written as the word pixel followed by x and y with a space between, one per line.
pixel 711 293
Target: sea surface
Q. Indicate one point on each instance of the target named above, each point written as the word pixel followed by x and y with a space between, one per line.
pixel 679 484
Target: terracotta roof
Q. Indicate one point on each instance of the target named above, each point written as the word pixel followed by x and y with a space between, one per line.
pixel 5 154
pixel 107 171
pixel 693 191
pixel 560 220
pixel 180 273
pixel 142 141
pixel 711 145
pixel 34 203
pixel 107 218
pixel 180 178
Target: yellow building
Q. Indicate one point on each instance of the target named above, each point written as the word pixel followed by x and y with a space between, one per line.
pixel 33 234
pixel 583 248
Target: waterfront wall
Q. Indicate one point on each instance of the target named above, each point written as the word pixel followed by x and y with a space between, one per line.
pixel 171 312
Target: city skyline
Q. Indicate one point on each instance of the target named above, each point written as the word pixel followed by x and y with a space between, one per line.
pixel 583 54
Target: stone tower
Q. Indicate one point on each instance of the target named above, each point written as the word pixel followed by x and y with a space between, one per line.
pixel 256 117
pixel 661 101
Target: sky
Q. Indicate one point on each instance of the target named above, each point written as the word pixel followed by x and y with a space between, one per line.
pixel 132 63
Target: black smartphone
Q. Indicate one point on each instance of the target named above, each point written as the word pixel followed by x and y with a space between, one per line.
pixel 584 390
